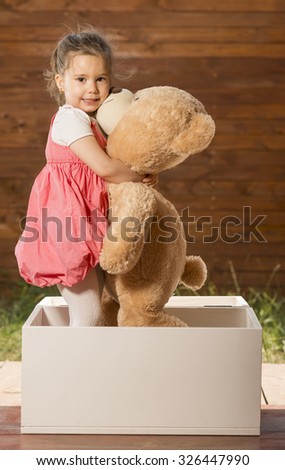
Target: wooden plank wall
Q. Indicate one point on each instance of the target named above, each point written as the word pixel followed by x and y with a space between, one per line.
pixel 229 54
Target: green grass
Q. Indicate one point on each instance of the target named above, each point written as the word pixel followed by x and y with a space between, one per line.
pixel 269 306
pixel 16 304
pixel 270 310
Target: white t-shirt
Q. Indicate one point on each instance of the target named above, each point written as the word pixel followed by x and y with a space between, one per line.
pixel 70 124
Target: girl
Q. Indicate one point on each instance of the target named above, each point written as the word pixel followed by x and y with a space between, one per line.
pixel 67 211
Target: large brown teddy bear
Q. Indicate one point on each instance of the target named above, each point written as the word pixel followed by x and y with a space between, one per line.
pixel 144 252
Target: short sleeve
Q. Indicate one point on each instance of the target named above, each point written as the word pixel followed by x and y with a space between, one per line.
pixel 70 124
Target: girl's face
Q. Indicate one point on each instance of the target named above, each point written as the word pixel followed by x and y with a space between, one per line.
pixel 85 83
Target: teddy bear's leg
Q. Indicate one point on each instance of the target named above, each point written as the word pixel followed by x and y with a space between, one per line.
pixel 142 300
pixel 135 310
pixel 139 316
pixel 109 310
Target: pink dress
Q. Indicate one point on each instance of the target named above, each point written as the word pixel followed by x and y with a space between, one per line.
pixel 66 219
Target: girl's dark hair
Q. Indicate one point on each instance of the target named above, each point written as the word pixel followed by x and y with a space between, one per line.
pixel 87 41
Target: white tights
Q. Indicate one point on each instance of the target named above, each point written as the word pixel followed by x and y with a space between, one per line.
pixel 84 298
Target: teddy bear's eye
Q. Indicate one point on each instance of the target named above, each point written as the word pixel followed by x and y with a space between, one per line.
pixel 136 99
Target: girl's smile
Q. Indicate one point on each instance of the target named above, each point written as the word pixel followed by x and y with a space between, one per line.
pixel 85 83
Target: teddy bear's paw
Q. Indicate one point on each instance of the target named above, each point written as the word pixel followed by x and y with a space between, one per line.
pixel 195 272
pixel 112 265
pixel 120 257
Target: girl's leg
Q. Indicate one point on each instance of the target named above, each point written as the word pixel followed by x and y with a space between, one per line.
pixel 84 298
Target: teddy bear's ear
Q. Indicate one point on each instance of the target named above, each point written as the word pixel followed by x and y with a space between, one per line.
pixel 196 137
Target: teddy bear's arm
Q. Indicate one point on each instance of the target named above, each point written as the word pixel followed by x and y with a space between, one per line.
pixel 132 206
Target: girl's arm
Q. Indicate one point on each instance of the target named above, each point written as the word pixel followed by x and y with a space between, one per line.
pixel 113 171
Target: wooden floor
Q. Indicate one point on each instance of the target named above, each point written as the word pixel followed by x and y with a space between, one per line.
pixel 272 437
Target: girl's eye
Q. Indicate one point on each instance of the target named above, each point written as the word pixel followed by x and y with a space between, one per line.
pixel 101 79
pixel 81 79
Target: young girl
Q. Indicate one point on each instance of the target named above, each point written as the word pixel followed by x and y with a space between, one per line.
pixel 67 211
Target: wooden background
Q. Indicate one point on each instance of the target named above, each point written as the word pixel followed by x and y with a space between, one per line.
pixel 229 54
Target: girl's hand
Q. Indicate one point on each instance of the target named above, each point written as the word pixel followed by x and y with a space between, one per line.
pixel 150 180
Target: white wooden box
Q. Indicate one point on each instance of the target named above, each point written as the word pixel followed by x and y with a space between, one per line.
pixel 205 379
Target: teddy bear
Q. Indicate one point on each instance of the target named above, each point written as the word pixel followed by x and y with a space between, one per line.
pixel 144 250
